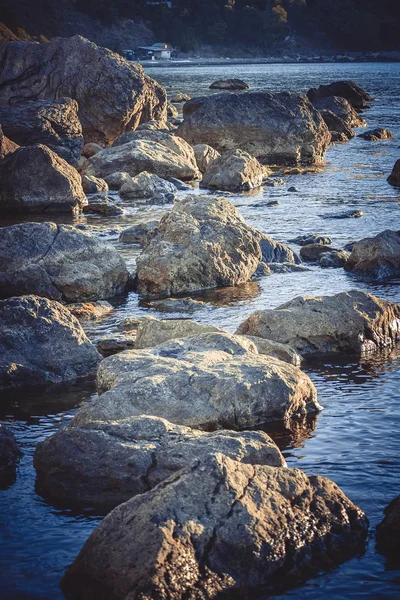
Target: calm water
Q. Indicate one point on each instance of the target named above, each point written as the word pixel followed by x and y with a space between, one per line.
pixel 354 441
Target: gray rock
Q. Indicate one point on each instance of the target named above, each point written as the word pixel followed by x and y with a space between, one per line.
pixel 41 342
pixel 204 156
pixel 313 252
pixel 93 185
pixel 341 108
pixel 53 123
pixel 335 259
pixel 219 527
pixel 273 181
pixel 152 332
pixel 90 149
pixel 105 464
pixel 9 455
pixel 347 322
pixel 115 181
pixel 377 257
pixel 192 105
pixel 174 305
pixel 311 238
pixel 280 351
pixel 180 97
pixel 172 111
pixel 394 177
pixel 119 342
pixel 233 171
pixel 350 91
pixel 263 270
pixel 208 381
pixel 141 233
pixel 146 185
pixel 287 267
pixel 58 262
pixel 229 84
pixel 34 178
pixel 100 204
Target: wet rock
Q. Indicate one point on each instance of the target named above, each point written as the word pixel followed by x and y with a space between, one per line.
pixel 100 204
pixel 53 123
pixel 351 214
pixel 280 351
pixel 280 128
pixel 6 145
pixel 93 185
pixel 146 185
pixel 172 305
pixel 374 135
pixel 90 149
pixel 338 128
pixel 293 189
pixel 335 259
pixel 240 527
pixel 313 252
pixel 118 342
pixel 180 97
pixel 229 84
pixel 113 94
pixel 341 108
pixel 182 187
pixel 347 322
pixel 115 181
pixel 311 238
pixel 388 531
pixel 58 262
pixel 141 233
pixel 286 267
pixel 234 171
pixel 273 181
pixel 34 178
pixel 350 91
pixel 105 464
pixel 41 342
pixel 90 311
pixel 394 177
pixel 204 155
pixel 377 257
pixel 152 332
pixel 9 455
pixel 262 270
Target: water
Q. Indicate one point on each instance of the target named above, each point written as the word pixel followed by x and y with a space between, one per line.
pixel 354 441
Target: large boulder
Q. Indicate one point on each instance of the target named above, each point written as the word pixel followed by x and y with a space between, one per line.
pixel 58 262
pixel 6 145
pixel 9 455
pixel 347 322
pixel 202 243
pixel 204 156
pixel 219 528
pixel 152 332
pixel 276 128
pixel 377 257
pixel 388 531
pixel 113 95
pixel 105 464
pixel 394 177
pixel 34 178
pixel 53 123
pixel 234 171
pixel 41 342
pixel 339 107
pixel 350 91
pixel 208 381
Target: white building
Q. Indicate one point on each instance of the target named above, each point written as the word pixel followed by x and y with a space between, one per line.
pixel 158 51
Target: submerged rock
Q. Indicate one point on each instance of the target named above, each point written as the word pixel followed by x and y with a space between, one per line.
pixel 152 332
pixel 105 464
pixel 41 342
pixel 219 526
pixel 377 257
pixel 233 171
pixel 58 262
pixel 347 322
pixel 208 381
pixel 9 455
pixel 229 84
pixel 352 92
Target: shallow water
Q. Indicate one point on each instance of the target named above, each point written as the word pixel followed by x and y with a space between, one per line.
pixel 354 440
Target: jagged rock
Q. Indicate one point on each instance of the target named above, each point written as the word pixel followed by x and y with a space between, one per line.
pixel 119 342
pixel 105 464
pixel 180 97
pixel 350 91
pixel 115 181
pixel 394 177
pixel 219 527
pixel 113 94
pixel 339 130
pixel 58 262
pixel 53 123
pixel 141 233
pixel 279 128
pixel 378 256
pixel 208 381
pixel 6 145
pixel 34 178
pixel 41 342
pixel 388 531
pixel 335 259
pixel 280 351
pixel 146 185
pixel 374 135
pixel 93 185
pixel 90 311
pixel 9 455
pixel 90 149
pixel 234 171
pixel 229 84
pixel 100 204
pixel 311 238
pixel 347 322
pixel 204 155
pixel 341 108
pixel 274 252
pixel 152 332
pixel 313 252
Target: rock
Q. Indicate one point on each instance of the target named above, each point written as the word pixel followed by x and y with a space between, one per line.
pixel 155 125
pixel 347 322
pixel 280 351
pixel 388 531
pixel 141 233
pixel 175 305
pixel 311 238
pixel 172 111
pixel 275 128
pixel 394 177
pixel 262 270
pixel 351 214
pixel 219 528
pixel 377 257
pixel 82 163
pixel 208 381
pixel 234 171
pixel 58 262
pixel 335 259
pixel 180 97
pixel 339 130
pixel 152 332
pixel 374 135
pixel 229 84
pixel 115 181
pixel 182 187
pixel 53 123
pixel 6 145
pixel 146 185
pixel 118 342
pixel 313 252
pixel 34 178
pixel 273 182
pixel 9 455
pixel 105 464
pixel 341 108
pixel 90 149
pixel 204 156
pixel 293 189
pixel 113 94
pixel 286 267
pixel 350 91
pixel 41 342
pixel 193 104
pixel 90 311
pixel 93 185
pixel 100 204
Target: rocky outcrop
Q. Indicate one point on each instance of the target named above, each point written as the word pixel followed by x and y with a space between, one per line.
pixel 240 528
pixel 41 342
pixel 374 135
pixel 204 156
pixel 350 91
pixel 152 332
pixel 339 131
pixel 229 84
pixel 147 185
pixel 394 177
pixel 347 322
pixel 141 233
pixel 9 455
pixel 113 95
pixel 105 464
pixel 388 531
pixel 6 145
pixel 280 128
pixel 234 171
pixel 377 257
pixel 34 178
pixel 58 262
pixel 208 381
pixel 53 123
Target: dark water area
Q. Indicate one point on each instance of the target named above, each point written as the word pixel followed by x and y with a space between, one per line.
pixel 355 440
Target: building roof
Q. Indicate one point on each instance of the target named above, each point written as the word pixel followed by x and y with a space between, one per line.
pixel 157 47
